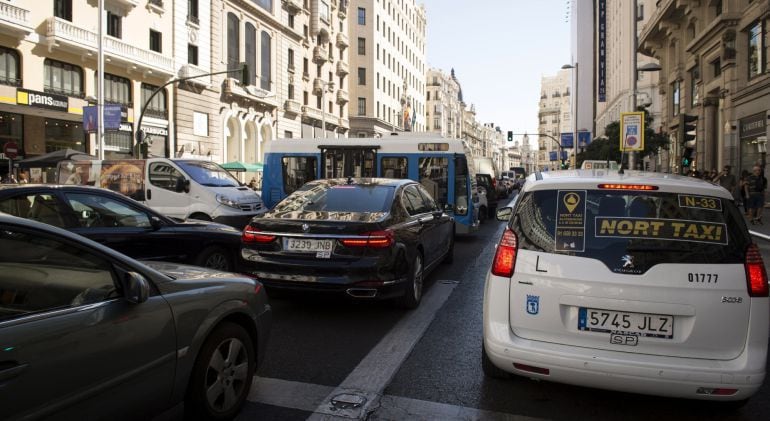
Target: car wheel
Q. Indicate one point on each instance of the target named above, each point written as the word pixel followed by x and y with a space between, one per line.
pixel 482 213
pixel 489 369
pixel 215 257
pixel 200 217
pixel 413 290
pixel 222 374
pixel 449 257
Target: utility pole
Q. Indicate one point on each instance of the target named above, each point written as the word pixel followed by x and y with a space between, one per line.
pixel 100 87
pixel 635 40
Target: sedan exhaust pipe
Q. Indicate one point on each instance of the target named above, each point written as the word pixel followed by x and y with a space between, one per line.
pixel 362 292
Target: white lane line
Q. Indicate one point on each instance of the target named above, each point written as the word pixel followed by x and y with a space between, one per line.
pixel 307 397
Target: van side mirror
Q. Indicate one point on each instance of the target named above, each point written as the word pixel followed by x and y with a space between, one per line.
pixel 182 185
pixel 136 289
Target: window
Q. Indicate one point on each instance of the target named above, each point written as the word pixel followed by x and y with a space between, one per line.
pixel 291 21
pixel 298 170
pixel 360 198
pixel 323 11
pixel 114 25
pixel 44 208
pixel 361 106
pixel 265 4
pixel 94 211
pixel 291 91
pixel 394 167
pixel 756 49
pixel 233 51
pixel 694 98
pixel 156 41
pixel 675 96
pixel 192 54
pixel 361 46
pixel 251 52
pixel 718 8
pixel 291 60
pixel 9 67
pixel 117 90
pixel 158 105
pixel 164 176
pixel 361 16
pixel 192 11
pixel 62 78
pixel 56 275
pixel 305 68
pixel 461 186
pixel 305 97
pixel 63 9
pixel 288 134
pixel 362 76
pixel 716 67
pixel 265 50
pixel 434 177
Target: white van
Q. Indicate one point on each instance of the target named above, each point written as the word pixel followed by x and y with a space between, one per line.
pixel 179 188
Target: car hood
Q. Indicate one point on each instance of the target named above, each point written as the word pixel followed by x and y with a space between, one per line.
pixel 240 194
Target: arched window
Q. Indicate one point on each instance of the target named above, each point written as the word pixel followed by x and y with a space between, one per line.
pixel 265 52
pixel 62 78
pixel 233 34
pixel 9 67
pixel 251 52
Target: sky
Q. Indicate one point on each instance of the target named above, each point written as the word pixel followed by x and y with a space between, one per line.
pixel 499 49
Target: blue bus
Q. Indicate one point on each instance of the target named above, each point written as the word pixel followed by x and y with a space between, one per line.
pixel 441 165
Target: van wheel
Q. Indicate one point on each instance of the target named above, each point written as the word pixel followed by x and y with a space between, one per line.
pixel 489 369
pixel 215 257
pixel 200 217
pixel 222 374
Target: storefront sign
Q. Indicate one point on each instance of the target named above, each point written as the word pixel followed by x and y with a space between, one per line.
pixel 602 67
pixel 753 126
pixel 42 100
pixel 156 131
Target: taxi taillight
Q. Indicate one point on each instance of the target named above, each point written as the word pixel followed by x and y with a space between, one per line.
pixel 505 256
pixel 374 239
pixel 253 235
pixel 637 187
pixel 756 274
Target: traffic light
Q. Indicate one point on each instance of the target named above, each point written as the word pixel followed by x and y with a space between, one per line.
pixel 510 136
pixel 564 164
pixel 687 128
pixel 687 156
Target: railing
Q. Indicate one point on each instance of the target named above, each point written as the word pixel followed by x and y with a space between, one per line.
pixel 63 30
pixel 65 92
pixel 189 70
pixel 156 113
pixel 10 81
pixel 14 14
pixel 293 5
pixel 292 106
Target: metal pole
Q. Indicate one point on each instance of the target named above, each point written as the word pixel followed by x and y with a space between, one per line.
pixel 634 38
pixel 100 83
pixel 323 110
pixel 577 128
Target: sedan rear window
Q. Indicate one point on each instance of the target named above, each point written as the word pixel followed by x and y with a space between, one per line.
pixel 338 198
pixel 615 226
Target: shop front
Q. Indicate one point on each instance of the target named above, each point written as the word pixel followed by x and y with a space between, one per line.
pixel 753 135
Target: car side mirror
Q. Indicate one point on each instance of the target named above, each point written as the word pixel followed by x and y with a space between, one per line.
pixel 155 222
pixel 182 185
pixel 504 214
pixel 136 289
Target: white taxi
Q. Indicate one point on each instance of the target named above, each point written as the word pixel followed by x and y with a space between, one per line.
pixel 638 282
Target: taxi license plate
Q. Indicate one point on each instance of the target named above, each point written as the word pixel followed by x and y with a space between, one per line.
pixel 608 321
pixel 307 245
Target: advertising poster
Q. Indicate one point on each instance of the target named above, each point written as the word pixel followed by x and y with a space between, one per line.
pixel 571 221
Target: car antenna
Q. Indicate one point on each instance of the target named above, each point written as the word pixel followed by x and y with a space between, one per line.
pixel 350 179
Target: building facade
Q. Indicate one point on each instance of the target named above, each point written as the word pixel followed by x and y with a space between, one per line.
pixel 387 62
pixel 715 70
pixel 48 51
pixel 444 104
pixel 555 117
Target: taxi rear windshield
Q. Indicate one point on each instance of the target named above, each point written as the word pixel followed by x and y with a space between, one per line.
pixel 338 198
pixel 632 229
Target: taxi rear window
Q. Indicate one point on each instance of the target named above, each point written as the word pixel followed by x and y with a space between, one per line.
pixel 645 228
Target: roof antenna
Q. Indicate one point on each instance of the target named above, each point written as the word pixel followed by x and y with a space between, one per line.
pixel 350 179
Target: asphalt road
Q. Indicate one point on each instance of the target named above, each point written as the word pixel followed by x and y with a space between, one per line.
pixel 428 367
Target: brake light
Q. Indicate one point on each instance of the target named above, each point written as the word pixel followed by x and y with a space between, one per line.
pixel 643 187
pixel 494 183
pixel 756 274
pixel 374 239
pixel 505 256
pixel 253 235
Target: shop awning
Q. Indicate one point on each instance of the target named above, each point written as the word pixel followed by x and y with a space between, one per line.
pixel 51 159
pixel 239 166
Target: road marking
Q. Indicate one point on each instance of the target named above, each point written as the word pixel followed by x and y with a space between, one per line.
pixel 308 397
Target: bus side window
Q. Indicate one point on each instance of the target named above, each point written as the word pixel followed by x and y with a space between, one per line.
pixel 394 167
pixel 298 170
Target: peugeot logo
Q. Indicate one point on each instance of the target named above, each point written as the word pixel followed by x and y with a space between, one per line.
pixel 628 261
pixel 305 227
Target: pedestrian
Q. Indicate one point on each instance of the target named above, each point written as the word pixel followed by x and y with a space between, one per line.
pixel 728 181
pixel 714 176
pixel 23 177
pixel 253 183
pixel 742 191
pixel 755 190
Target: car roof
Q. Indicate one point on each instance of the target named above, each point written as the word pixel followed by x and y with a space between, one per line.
pixel 365 181
pixel 590 179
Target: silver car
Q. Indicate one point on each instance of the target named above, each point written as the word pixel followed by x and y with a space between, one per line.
pixel 88 333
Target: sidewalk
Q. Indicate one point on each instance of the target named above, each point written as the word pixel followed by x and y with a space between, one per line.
pixel 760 229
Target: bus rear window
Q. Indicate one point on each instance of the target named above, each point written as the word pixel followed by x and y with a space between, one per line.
pixel 298 170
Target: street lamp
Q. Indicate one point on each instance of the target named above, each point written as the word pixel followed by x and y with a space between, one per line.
pixel 575 110
pixel 324 86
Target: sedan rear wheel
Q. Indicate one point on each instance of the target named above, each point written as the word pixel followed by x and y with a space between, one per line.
pixel 222 374
pixel 413 291
pixel 215 257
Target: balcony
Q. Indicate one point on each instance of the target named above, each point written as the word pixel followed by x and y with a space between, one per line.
pixel 343 122
pixel 320 55
pixel 342 97
pixel 342 40
pixel 293 6
pixel 128 4
pixel 14 20
pixel 312 112
pixel 231 88
pixel 319 84
pixel 292 107
pixel 342 68
pixel 68 36
pixel 342 12
pixel 190 70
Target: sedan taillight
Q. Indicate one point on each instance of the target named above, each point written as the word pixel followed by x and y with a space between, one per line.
pixel 756 274
pixel 374 239
pixel 253 235
pixel 505 257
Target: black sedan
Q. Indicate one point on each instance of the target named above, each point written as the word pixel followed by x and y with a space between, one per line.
pixel 369 238
pixel 89 333
pixel 124 224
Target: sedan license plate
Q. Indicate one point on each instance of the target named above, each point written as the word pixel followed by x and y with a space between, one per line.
pixel 307 245
pixel 608 321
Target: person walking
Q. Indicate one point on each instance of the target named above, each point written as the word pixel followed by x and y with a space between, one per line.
pixel 742 190
pixel 728 181
pixel 756 183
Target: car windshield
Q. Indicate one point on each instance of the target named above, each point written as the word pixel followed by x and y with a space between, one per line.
pixel 652 227
pixel 338 198
pixel 208 174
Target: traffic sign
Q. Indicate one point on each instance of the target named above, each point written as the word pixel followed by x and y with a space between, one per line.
pixel 11 150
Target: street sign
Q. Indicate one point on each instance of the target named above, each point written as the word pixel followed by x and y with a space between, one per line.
pixel 11 150
pixel 632 131
pixel 567 140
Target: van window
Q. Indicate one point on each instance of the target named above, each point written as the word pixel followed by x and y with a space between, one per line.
pixel 648 228
pixel 208 174
pixel 394 167
pixel 164 175
pixel 298 170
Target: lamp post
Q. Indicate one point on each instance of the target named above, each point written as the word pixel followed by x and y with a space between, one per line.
pixel 575 110
pixel 324 85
